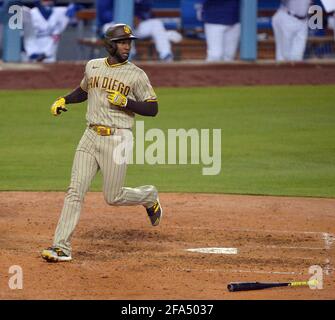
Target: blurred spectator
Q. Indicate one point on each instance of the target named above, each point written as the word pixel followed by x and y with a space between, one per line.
pixel 222 28
pixel 146 26
pixel 290 26
pixel 331 22
pixel 1 32
pixel 43 26
pixel 328 8
pixel 1 27
pixel 149 27
pixel 105 11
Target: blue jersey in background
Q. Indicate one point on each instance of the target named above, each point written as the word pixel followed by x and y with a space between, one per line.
pixel 143 9
pixel 225 12
pixel 105 11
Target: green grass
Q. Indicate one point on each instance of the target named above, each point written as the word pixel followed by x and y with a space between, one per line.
pixel 275 140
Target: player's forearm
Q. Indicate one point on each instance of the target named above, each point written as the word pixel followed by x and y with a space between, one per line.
pixel 76 96
pixel 143 108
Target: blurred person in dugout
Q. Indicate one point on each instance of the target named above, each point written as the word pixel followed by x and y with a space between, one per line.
pixel 222 29
pixel 42 28
pixel 146 26
pixel 2 7
pixel 331 22
pixel 290 27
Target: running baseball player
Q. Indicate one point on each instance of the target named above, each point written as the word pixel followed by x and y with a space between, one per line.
pixel 116 90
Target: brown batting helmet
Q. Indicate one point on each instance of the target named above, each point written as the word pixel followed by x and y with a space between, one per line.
pixel 117 32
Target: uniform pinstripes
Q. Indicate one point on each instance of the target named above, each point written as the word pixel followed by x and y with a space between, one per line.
pixel 114 176
pixel 96 152
pixel 99 109
pixel 84 169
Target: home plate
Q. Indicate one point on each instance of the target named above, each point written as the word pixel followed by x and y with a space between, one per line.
pixel 214 250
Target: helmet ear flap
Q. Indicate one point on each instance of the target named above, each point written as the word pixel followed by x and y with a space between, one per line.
pixel 110 46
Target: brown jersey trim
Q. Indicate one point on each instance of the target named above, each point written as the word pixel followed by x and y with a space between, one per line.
pixel 115 64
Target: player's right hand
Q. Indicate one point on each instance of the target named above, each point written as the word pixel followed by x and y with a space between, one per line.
pixel 58 106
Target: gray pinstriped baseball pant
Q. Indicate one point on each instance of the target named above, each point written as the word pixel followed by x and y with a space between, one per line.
pixel 95 153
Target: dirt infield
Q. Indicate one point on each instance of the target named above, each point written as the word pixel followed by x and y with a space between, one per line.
pixel 68 75
pixel 118 255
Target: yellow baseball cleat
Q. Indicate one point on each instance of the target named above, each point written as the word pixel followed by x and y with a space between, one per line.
pixel 155 213
pixel 54 254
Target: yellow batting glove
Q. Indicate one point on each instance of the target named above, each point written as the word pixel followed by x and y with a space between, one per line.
pixel 58 106
pixel 117 98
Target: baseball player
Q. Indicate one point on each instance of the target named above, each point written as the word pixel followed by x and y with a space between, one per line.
pixel 290 26
pixel 222 29
pixel 116 90
pixel 331 22
pixel 43 26
pixel 150 27
pixel 146 26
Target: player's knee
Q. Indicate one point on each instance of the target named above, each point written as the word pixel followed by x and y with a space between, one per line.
pixel 112 199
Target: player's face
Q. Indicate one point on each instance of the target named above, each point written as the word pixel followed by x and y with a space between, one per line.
pixel 122 50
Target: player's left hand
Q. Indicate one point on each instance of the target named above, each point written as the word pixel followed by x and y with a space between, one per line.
pixel 58 106
pixel 117 98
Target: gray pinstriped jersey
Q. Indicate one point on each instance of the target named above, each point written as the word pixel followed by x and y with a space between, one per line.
pixel 125 77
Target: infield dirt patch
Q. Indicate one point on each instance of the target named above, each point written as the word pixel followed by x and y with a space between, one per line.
pixel 118 255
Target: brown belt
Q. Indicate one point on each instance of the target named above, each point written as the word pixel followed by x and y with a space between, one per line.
pixel 102 130
pixel 296 16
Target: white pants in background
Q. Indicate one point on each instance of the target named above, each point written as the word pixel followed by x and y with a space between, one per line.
pixel 222 41
pixel 290 35
pixel 154 28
